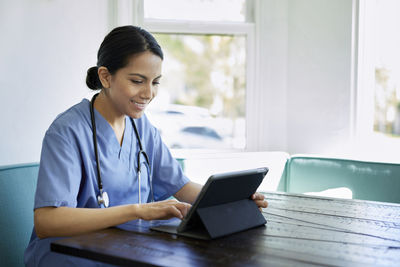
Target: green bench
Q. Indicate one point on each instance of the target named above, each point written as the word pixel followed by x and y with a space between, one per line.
pixel 375 181
pixel 18 185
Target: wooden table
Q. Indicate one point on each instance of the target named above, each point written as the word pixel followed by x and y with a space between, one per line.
pixel 301 231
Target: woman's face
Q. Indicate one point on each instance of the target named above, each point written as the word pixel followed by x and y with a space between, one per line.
pixel 134 86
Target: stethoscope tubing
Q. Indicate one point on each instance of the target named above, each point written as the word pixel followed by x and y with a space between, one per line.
pixel 96 152
pixel 102 198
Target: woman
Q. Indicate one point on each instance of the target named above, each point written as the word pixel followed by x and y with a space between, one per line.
pixel 74 185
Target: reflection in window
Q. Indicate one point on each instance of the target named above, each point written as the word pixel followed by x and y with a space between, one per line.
pixel 203 88
pixel 204 131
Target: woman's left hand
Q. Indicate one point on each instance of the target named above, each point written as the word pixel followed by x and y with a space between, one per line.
pixel 259 199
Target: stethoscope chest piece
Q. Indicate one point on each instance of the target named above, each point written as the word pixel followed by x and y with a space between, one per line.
pixel 103 199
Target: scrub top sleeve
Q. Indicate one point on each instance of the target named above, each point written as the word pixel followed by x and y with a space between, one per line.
pixel 168 177
pixel 60 172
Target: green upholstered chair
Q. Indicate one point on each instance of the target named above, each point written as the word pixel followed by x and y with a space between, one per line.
pixel 17 191
pixel 367 180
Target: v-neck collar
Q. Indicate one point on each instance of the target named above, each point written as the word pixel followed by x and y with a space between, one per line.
pixel 105 130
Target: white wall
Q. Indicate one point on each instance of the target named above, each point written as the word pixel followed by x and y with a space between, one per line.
pixel 319 80
pixel 304 69
pixel 271 18
pixel 46 48
pixel 306 75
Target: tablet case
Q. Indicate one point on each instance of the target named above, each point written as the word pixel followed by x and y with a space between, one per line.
pixel 230 218
pixel 214 217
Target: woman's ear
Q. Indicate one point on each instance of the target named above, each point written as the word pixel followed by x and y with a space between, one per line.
pixel 104 76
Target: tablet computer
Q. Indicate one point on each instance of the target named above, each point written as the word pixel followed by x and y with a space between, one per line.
pixel 223 207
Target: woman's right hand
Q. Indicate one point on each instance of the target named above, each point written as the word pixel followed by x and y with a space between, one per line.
pixel 163 210
pixel 67 221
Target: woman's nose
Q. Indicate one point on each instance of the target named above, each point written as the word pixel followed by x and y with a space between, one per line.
pixel 148 91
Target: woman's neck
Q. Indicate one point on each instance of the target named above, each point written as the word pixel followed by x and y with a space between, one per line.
pixel 111 114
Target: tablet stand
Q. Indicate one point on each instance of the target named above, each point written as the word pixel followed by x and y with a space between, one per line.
pixel 230 217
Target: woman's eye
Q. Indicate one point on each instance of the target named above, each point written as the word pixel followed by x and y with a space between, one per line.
pixel 137 81
pixel 156 83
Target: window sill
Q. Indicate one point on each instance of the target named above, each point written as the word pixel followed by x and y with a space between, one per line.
pixel 201 164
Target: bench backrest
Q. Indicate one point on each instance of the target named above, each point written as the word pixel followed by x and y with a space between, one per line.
pixel 367 180
pixel 17 185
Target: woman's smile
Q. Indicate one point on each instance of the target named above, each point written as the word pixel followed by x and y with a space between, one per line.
pixel 138 105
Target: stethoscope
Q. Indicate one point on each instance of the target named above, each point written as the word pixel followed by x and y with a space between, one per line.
pixel 103 198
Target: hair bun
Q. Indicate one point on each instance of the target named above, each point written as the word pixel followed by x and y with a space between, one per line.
pixel 92 79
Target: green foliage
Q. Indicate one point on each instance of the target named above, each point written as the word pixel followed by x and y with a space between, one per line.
pixel 203 56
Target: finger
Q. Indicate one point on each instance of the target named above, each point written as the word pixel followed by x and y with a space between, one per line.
pixel 182 204
pixel 261 203
pixel 183 207
pixel 170 201
pixel 174 211
pixel 258 196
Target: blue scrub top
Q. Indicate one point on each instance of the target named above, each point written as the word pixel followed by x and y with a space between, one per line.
pixel 68 174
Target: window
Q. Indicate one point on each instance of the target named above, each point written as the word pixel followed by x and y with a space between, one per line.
pixel 378 113
pixel 202 98
pixel 204 79
pixel 387 69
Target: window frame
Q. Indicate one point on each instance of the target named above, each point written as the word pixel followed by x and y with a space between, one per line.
pixel 123 12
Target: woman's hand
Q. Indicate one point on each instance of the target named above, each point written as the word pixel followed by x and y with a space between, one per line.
pixel 259 199
pixel 163 210
pixel 66 221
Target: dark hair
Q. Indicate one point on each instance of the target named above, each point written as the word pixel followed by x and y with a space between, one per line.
pixel 117 47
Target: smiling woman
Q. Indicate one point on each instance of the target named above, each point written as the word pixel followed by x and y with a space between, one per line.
pixel 102 162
